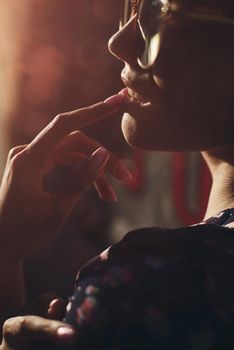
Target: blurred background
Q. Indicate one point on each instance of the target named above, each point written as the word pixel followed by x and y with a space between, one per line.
pixel 54 58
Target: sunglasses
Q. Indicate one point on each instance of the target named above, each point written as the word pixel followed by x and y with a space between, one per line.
pixel 149 16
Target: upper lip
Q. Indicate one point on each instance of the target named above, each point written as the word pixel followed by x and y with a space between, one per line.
pixel 134 89
pixel 140 82
pixel 131 80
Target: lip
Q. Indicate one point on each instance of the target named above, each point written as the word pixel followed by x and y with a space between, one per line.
pixel 132 97
pixel 141 82
pixel 132 93
pixel 130 83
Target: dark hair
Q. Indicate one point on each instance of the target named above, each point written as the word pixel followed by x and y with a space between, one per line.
pixel 226 7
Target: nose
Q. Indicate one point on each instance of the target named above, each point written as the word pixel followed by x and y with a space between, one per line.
pixel 127 44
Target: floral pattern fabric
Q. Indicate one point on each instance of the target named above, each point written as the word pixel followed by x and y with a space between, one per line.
pixel 159 289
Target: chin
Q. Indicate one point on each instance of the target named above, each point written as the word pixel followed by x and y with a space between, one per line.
pixel 134 133
pixel 129 129
pixel 162 136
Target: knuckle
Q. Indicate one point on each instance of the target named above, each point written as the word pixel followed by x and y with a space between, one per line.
pixel 13 152
pixel 20 325
pixel 14 327
pixel 90 108
pixel 7 326
pixel 60 119
pixel 17 160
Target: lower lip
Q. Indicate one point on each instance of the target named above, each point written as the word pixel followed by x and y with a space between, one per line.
pixel 130 101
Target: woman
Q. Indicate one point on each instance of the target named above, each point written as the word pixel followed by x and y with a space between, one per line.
pixel 158 289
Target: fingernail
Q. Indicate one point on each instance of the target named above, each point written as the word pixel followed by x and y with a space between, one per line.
pixel 65 332
pixel 99 158
pixel 115 100
pixel 53 302
pixel 121 173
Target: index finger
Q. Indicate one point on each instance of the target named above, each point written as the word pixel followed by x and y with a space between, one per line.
pixel 65 123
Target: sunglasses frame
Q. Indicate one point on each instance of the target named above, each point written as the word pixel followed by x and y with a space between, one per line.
pixel 166 8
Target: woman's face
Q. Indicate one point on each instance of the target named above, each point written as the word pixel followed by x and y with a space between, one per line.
pixel 188 90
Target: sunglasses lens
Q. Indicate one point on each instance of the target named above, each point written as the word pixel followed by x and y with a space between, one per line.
pixel 125 12
pixel 148 57
pixel 149 15
pixel 144 16
pixel 148 18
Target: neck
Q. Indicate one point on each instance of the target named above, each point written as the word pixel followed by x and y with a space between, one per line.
pixel 221 165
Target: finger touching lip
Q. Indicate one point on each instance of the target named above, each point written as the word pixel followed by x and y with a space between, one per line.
pixel 49 138
pixel 132 96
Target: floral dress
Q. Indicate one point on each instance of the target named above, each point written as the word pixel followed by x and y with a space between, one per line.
pixel 159 289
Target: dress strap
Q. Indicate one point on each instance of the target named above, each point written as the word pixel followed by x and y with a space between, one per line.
pixel 224 218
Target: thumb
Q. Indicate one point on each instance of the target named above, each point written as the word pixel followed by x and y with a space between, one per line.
pixel 57 309
pixel 84 174
pixel 40 305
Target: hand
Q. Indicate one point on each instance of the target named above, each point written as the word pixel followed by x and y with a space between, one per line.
pixel 30 214
pixel 21 333
pixel 48 305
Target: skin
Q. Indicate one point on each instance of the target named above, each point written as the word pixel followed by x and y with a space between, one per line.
pixel 191 105
pixel 39 213
pixel 189 87
pixel 190 90
pixel 22 332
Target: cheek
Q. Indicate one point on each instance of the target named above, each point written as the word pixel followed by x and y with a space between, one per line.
pixel 198 99
pixel 204 90
pixel 221 82
pixel 190 93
